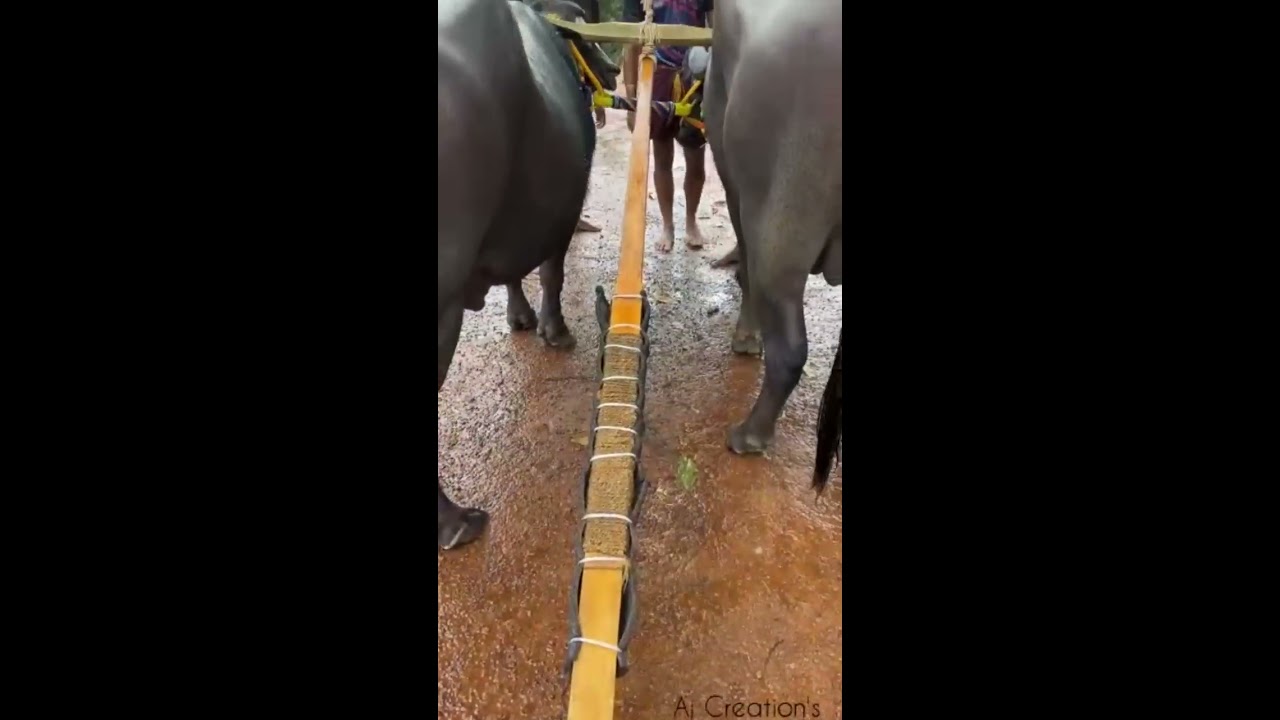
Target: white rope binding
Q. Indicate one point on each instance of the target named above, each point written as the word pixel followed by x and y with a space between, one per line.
pixel 602 558
pixel 614 427
pixel 608 456
pixel 597 643
pixel 607 516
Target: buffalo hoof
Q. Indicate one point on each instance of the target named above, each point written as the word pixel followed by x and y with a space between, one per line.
pixel 747 345
pixel 557 335
pixel 461 527
pixel 730 259
pixel 522 319
pixel 743 442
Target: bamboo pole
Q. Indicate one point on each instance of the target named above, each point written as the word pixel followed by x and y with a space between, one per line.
pixel 593 682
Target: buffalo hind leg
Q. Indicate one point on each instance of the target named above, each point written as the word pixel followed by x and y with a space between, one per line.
pixel 520 315
pixel 551 326
pixel 746 335
pixel 786 347
pixel 455 525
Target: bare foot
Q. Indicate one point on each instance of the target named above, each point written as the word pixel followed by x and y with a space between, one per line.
pixel 668 240
pixel 693 236
pixel 584 226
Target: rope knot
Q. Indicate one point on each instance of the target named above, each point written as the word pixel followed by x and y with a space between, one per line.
pixel 649 30
pixel 649 34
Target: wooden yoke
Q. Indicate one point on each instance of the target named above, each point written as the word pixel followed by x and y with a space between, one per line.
pixel 593 683
pixel 623 33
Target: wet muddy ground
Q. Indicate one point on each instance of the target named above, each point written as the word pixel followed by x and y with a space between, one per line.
pixel 740 584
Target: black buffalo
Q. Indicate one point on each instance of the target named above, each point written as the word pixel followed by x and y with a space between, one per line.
pixel 773 112
pixel 516 139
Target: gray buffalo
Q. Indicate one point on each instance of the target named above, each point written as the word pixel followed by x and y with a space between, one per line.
pixel 773 116
pixel 515 144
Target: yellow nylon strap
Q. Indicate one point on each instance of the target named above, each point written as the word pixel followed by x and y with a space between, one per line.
pixel 693 89
pixel 582 65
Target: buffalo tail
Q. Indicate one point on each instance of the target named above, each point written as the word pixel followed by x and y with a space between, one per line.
pixel 829 421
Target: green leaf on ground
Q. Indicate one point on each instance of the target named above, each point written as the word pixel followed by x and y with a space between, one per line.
pixel 686 473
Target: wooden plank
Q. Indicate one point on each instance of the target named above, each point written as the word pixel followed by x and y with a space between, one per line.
pixel 594 681
pixel 628 33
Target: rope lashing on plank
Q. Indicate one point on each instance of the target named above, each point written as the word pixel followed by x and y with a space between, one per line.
pixel 613 483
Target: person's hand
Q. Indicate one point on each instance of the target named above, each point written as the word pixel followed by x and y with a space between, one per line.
pixel 599 118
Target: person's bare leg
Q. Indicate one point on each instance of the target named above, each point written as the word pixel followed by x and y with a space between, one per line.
pixel 694 175
pixel 665 185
